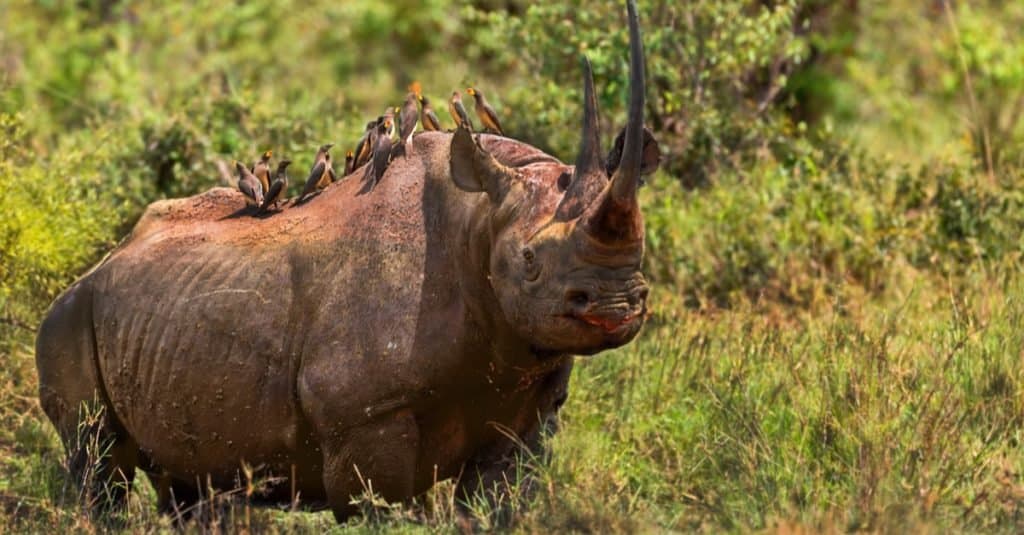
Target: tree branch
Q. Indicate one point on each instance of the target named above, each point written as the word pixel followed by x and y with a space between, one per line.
pixel 15 322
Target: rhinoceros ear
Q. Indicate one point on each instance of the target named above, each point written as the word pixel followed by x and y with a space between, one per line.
pixel 474 169
pixel 650 159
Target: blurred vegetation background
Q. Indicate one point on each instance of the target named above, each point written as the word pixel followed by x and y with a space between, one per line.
pixel 834 236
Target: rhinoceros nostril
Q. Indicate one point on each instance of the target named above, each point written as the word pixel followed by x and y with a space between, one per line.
pixel 577 298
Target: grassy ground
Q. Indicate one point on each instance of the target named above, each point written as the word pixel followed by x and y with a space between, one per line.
pixel 875 412
pixel 834 342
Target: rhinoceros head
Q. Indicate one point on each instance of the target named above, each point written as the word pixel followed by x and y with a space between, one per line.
pixel 567 242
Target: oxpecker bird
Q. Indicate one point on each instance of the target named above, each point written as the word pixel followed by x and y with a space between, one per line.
pixel 249 185
pixel 278 188
pixel 458 112
pixel 322 173
pixel 382 150
pixel 350 159
pixel 389 116
pixel 409 117
pixel 485 112
pixel 262 170
pixel 364 149
pixel 427 116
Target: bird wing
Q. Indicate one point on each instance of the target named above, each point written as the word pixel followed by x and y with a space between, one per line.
pixel 455 114
pixel 366 152
pixel 272 195
pixel 314 177
pixel 463 116
pixel 359 148
pixel 263 175
pixel 409 118
pixel 381 157
pixel 251 188
pixel 430 121
pixel 490 119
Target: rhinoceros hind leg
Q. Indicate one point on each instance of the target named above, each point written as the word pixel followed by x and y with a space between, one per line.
pixel 100 461
pixel 176 499
pixel 99 455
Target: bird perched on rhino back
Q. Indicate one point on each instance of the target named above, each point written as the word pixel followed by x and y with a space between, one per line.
pixel 349 161
pixel 485 112
pixel 364 149
pixel 249 185
pixel 278 188
pixel 262 170
pixel 409 117
pixel 427 116
pixel 389 116
pixel 322 173
pixel 458 112
pixel 381 150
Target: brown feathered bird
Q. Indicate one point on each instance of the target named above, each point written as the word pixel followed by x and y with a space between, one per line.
pixel 382 150
pixel 278 188
pixel 364 149
pixel 409 116
pixel 262 170
pixel 322 173
pixel 249 185
pixel 427 116
pixel 485 112
pixel 389 116
pixel 458 112
pixel 350 159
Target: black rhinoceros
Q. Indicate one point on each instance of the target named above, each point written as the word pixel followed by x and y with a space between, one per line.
pixel 392 335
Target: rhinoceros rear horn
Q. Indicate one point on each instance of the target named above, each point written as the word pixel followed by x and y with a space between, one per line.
pixel 615 215
pixel 589 178
pixel 589 159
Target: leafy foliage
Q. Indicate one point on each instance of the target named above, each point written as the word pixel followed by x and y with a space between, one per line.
pixel 715 70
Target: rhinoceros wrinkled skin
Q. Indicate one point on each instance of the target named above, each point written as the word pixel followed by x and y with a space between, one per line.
pixel 394 335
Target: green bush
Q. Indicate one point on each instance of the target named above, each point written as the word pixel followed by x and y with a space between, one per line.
pixel 715 70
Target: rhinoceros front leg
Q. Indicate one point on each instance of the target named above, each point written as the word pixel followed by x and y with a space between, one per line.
pixel 379 457
pixel 500 477
pixel 499 480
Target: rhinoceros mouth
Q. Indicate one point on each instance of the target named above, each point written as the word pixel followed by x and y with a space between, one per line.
pixel 608 323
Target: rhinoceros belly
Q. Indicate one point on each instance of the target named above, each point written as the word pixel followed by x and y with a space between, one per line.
pixel 197 357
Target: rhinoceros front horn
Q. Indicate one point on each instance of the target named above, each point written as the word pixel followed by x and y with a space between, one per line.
pixel 614 217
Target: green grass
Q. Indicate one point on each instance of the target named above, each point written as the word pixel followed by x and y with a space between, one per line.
pixel 899 410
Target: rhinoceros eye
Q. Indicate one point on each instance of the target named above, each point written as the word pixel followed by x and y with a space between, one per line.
pixel 563 181
pixel 532 269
